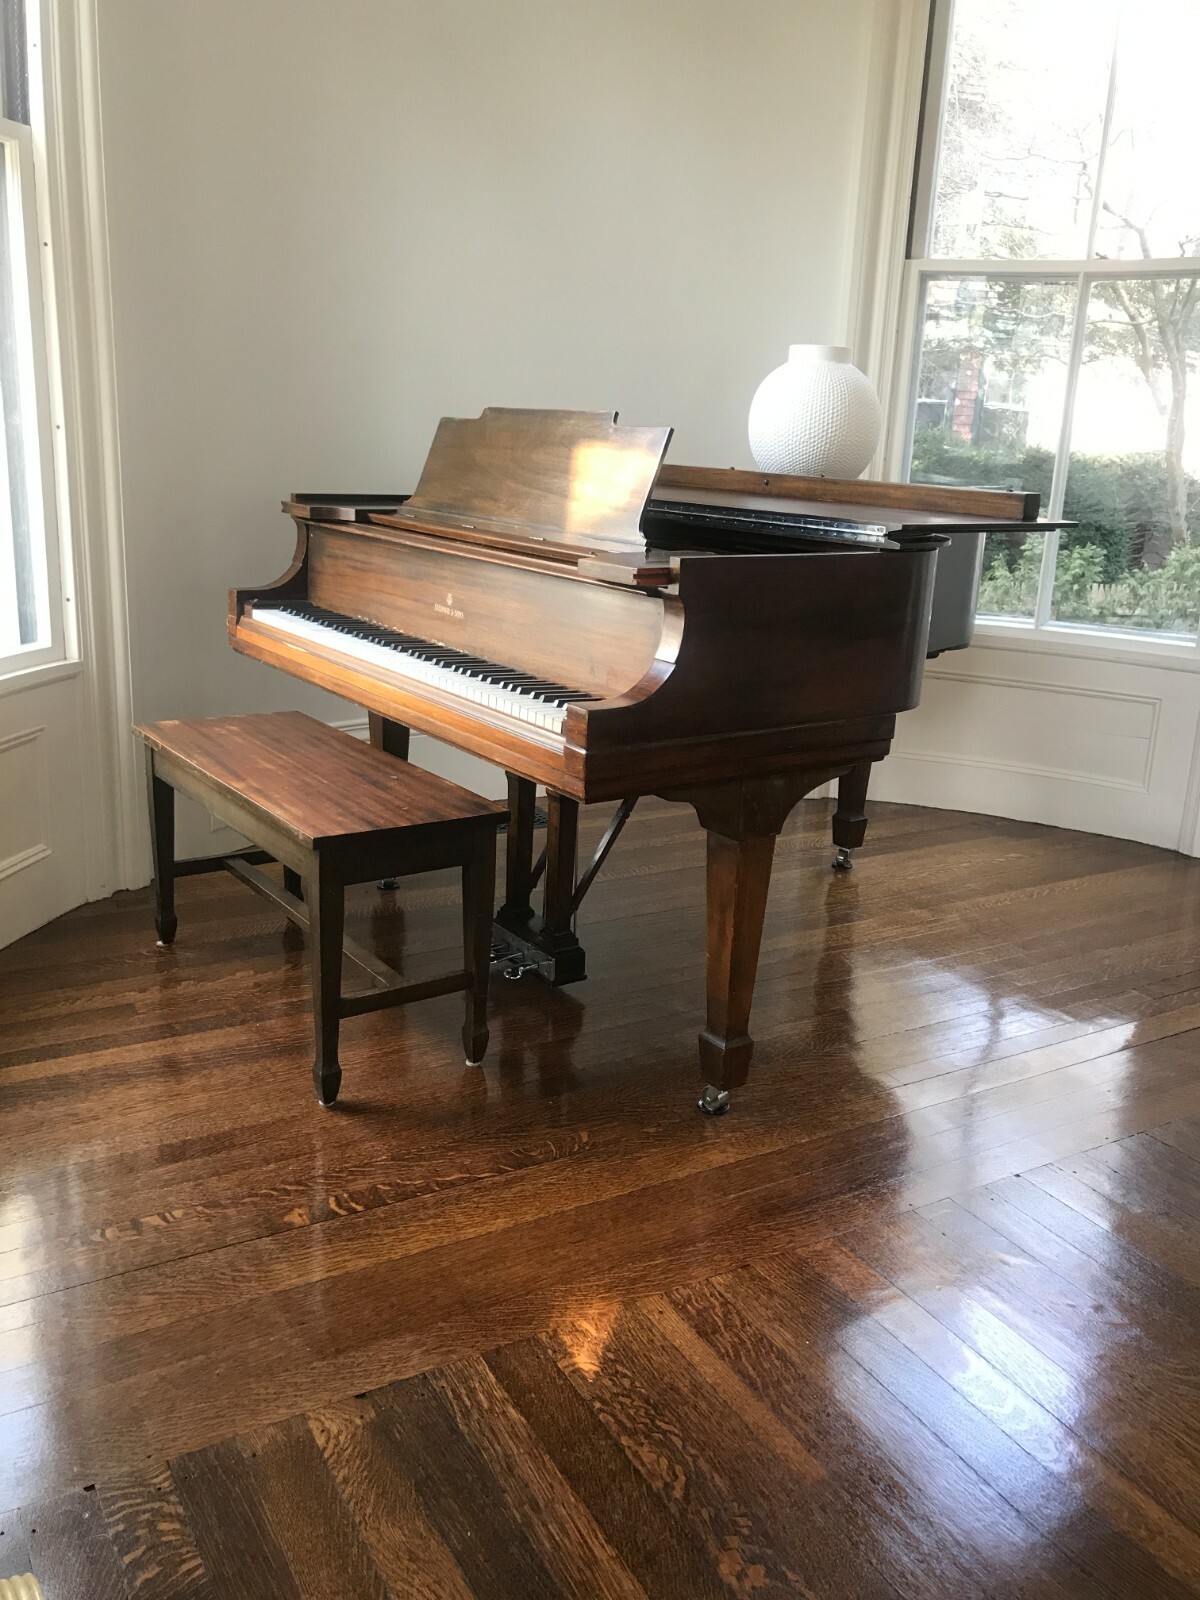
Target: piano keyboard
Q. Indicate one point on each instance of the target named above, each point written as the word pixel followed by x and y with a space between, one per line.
pixel 485 683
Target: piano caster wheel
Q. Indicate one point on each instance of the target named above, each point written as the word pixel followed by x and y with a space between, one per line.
pixel 388 883
pixel 844 860
pixel 714 1102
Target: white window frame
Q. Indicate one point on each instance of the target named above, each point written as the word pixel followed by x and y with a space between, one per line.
pixel 22 148
pixel 1040 632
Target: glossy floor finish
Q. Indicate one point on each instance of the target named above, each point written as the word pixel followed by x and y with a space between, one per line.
pixel 919 1318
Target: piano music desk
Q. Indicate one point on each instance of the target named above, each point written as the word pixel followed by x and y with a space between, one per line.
pixel 333 811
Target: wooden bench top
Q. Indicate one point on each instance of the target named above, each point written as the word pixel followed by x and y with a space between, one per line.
pixel 315 782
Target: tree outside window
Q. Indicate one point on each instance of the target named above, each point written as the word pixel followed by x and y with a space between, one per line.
pixel 1058 332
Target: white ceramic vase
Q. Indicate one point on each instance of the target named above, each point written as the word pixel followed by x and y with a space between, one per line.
pixel 816 416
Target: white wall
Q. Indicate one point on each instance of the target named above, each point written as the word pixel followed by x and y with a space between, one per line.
pixel 330 224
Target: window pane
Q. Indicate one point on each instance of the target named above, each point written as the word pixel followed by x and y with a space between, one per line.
pixel 989 406
pixel 14 74
pixel 1027 85
pixel 1150 198
pixel 24 607
pixel 1134 476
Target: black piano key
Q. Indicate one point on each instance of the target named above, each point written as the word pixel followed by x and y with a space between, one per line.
pixel 492 673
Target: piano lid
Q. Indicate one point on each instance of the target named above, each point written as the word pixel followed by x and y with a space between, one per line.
pixel 564 484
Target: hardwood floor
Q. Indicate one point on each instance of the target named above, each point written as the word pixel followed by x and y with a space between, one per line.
pixel 919 1318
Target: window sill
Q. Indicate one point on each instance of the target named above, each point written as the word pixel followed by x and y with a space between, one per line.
pixel 1089 644
pixel 13 681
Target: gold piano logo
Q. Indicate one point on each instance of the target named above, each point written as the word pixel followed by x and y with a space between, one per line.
pixel 449 609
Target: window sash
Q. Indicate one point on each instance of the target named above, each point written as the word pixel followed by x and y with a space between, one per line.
pixel 920 267
pixel 1082 274
pixel 18 152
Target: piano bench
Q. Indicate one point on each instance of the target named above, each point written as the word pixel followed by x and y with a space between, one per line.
pixel 332 811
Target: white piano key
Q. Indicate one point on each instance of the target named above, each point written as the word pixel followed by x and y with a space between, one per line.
pixel 403 665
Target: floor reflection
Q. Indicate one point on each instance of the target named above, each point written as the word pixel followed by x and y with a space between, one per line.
pixel 922 1301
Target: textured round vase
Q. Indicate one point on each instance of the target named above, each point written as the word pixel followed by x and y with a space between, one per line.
pixel 816 416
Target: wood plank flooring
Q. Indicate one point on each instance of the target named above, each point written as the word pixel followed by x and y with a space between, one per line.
pixel 918 1319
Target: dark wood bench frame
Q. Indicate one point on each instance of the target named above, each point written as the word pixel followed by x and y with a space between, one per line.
pixel 313 897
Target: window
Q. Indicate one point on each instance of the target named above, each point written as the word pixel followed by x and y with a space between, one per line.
pixel 1054 273
pixel 31 621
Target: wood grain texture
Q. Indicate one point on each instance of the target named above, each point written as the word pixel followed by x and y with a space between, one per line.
pixel 316 783
pixel 151 1535
pixel 575 477
pixel 332 812
pixel 70 1552
pixel 918 1319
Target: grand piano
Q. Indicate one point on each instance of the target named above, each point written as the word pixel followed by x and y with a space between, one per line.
pixel 556 599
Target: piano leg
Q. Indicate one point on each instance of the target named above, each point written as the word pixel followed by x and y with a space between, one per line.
pixel 388 736
pixel 743 819
pixel 850 818
pixel 518 851
pixel 392 738
pixel 739 876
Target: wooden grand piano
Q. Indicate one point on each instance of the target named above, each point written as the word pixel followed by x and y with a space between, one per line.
pixel 554 599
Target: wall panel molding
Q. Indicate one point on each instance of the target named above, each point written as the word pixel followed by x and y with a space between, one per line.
pixel 987 764
pixel 1151 705
pixel 1109 747
pixel 26 829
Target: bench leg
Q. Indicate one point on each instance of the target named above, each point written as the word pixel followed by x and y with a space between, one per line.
pixel 324 894
pixel 478 902
pixel 162 845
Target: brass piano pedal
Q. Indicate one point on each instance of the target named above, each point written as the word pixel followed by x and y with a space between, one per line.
pixel 844 860
pixel 714 1102
pixel 388 883
pixel 22 1586
pixel 517 967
